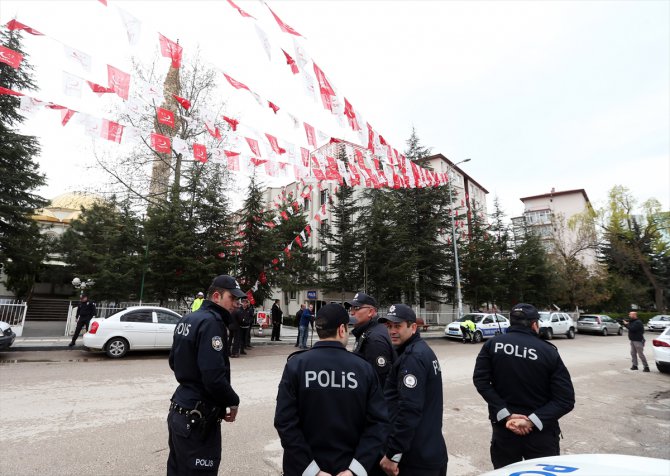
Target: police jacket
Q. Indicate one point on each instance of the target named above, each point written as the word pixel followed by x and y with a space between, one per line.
pixel 520 373
pixel 199 358
pixel 330 415
pixel 635 330
pixel 413 392
pixel 276 313
pixel 86 310
pixel 374 345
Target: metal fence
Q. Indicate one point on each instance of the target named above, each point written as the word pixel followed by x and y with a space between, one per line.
pixel 13 312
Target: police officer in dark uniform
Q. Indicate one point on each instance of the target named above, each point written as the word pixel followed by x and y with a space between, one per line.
pixel 413 391
pixel 85 312
pixel 205 396
pixel 527 388
pixel 331 416
pixel 372 339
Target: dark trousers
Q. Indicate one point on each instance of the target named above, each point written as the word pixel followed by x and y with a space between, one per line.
pixel 276 327
pixel 508 448
pixel 234 341
pixel 190 454
pixel 80 325
pixel 245 337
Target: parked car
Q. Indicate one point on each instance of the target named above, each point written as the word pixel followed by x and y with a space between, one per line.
pixel 659 323
pixel 134 328
pixel 598 324
pixel 662 351
pixel 556 324
pixel 488 325
pixel 7 335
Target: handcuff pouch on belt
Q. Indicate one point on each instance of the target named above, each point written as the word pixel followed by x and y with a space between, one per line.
pixel 203 419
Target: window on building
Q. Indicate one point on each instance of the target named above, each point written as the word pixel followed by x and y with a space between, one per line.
pixel 324 228
pixel 306 203
pixel 293 295
pixel 324 260
pixel 323 197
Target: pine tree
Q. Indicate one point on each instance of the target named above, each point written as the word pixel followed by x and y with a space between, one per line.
pixel 20 177
pixel 478 265
pixel 531 275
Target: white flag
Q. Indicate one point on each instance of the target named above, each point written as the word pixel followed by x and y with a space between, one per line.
pixel 180 146
pixel 265 43
pixel 72 84
pixel 29 105
pixel 133 26
pixel 81 58
pixel 131 135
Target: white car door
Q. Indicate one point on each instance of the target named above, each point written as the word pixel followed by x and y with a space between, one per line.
pixel 139 328
pixel 558 323
pixel 166 324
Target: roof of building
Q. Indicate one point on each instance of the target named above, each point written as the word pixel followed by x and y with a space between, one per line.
pixel 556 194
pixel 67 207
pixel 455 167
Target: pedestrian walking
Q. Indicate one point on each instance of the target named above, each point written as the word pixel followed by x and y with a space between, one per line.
pixel 204 397
pixel 85 312
pixel 636 337
pixel 331 416
pixel 527 388
pixel 413 391
pixel 276 314
pixel 372 339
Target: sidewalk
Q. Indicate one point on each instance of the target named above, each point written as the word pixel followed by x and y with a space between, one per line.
pixel 44 336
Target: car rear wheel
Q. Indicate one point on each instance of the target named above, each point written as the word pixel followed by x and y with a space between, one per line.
pixel 478 337
pixel 571 333
pixel 549 334
pixel 604 331
pixel 620 331
pixel 117 347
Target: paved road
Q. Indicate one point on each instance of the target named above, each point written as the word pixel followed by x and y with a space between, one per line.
pixel 73 412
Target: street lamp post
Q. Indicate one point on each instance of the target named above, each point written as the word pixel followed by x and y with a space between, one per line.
pixel 82 285
pixel 459 297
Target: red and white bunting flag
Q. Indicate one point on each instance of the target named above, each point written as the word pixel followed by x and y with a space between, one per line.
pixel 253 145
pixel 165 116
pixel 351 116
pixel 213 130
pixel 200 153
pixel 311 136
pixel 170 49
pixel 230 153
pixel 160 143
pixel 284 27
pixel 291 62
pixel 9 92
pixel 98 89
pixel 30 105
pixel 273 106
pixel 325 89
pixel 81 58
pixel 10 57
pixel 294 120
pixel 111 130
pixel 104 2
pixel 242 12
pixel 304 154
pixel 133 26
pixel 233 122
pixel 66 115
pixel 236 84
pixel 299 241
pixel 118 81
pixel 180 146
pixel 263 38
pixel 256 162
pixel 284 215
pixel 234 163
pixel 17 25
pixel 185 103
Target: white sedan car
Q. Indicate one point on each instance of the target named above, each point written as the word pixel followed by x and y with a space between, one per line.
pixel 662 351
pixel 134 328
pixel 659 323
pixel 487 324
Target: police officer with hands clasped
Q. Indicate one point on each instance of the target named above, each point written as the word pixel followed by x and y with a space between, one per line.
pixel 527 388
pixel 331 416
pixel 413 391
pixel 372 338
pixel 204 397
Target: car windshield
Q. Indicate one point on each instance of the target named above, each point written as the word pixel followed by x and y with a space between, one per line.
pixel 588 318
pixel 660 318
pixel 545 316
pixel 472 317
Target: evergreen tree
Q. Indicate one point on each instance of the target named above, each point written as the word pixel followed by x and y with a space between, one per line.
pixel 502 253
pixel 478 264
pixel 531 275
pixel 20 177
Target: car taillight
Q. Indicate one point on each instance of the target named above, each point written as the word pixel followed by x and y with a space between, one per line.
pixel 94 328
pixel 659 343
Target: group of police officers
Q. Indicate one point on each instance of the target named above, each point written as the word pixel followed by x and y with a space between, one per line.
pixel 377 410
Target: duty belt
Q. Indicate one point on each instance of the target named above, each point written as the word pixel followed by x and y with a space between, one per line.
pixel 181 410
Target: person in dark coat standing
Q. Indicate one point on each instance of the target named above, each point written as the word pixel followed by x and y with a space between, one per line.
pixel 248 313
pixel 413 391
pixel 372 339
pixel 636 337
pixel 205 396
pixel 331 416
pixel 527 388
pixel 276 314
pixel 85 312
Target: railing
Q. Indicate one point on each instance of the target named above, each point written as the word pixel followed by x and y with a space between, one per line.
pixel 13 312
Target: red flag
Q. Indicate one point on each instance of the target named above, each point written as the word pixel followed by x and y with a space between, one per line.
pixel 216 133
pixel 305 156
pixel 308 230
pixel 284 27
pixel 233 162
pixel 66 115
pixel 274 144
pixel 253 145
pixel 242 12
pixel 185 103
pixel 273 106
pixel 161 144
pixel 351 116
pixel 10 92
pixel 99 90
pixel 250 295
pixel 236 84
pixel 284 215
pixel 291 62
pixel 10 57
pixel 256 162
pixel 165 116
pixel 111 131
pixel 231 153
pixel 170 49
pixel 325 88
pixel 299 241
pixel 104 2
pixel 118 81
pixel 200 153
pixel 311 135
pixel 233 122
pixel 17 25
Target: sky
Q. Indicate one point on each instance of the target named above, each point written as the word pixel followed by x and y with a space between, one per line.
pixel 539 95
